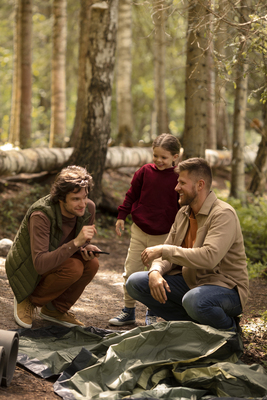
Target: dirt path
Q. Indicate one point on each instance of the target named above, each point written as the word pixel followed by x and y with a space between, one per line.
pixel 102 300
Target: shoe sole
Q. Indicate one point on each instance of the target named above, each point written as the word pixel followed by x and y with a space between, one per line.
pixel 118 323
pixel 18 321
pixel 57 321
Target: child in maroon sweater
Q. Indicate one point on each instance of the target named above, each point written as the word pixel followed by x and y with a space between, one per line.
pixel 153 204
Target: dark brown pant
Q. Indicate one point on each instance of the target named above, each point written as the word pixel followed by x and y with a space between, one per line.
pixel 64 285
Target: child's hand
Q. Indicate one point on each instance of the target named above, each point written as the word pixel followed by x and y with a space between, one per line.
pixel 119 226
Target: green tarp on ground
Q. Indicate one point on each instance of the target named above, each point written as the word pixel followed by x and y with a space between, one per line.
pixel 168 360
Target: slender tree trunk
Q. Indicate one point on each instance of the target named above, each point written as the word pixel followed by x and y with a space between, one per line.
pixel 16 84
pixel 159 19
pixel 124 73
pixel 211 114
pixel 223 140
pixel 195 133
pixel 91 148
pixel 81 92
pixel 58 104
pixel 258 182
pixel 222 131
pixel 238 166
pixel 26 73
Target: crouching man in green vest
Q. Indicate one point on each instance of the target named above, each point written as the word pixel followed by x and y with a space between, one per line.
pixel 51 260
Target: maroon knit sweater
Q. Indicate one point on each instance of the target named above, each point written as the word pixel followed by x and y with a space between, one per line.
pixel 151 200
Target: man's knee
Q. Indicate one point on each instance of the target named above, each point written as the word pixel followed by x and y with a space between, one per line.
pixel 130 283
pixel 136 282
pixel 73 269
pixel 92 265
pixel 191 303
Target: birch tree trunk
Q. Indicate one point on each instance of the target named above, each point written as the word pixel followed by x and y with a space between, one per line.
pixel 124 74
pixel 43 159
pixel 16 84
pixel 238 166
pixel 91 148
pixel 81 91
pixel 26 73
pixel 159 19
pixel 58 88
pixel 195 132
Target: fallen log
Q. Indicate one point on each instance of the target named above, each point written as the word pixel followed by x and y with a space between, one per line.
pixel 43 159
pixel 33 160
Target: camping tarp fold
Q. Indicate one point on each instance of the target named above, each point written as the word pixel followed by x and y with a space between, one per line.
pixel 168 360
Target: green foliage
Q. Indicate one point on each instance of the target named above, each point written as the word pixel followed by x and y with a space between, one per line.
pixel 13 209
pixel 41 67
pixel 255 270
pixel 6 67
pixel 264 317
pixel 142 68
pixel 105 225
pixel 143 90
pixel 253 221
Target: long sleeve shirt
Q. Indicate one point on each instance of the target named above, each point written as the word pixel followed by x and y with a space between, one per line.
pixel 151 200
pixel 218 254
pixel 39 228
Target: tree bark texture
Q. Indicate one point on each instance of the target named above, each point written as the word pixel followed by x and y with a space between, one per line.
pixel 26 73
pixel 211 120
pixel 258 182
pixel 159 19
pixel 58 86
pixel 91 149
pixel 16 83
pixel 222 123
pixel 195 133
pixel 124 74
pixel 44 159
pixel 238 166
pixel 81 91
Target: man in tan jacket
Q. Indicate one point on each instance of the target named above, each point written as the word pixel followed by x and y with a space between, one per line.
pixel 200 273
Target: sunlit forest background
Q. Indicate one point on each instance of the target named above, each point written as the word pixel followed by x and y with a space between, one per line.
pixel 196 69
pixel 142 72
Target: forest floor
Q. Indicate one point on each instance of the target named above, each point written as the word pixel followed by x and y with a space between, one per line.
pixel 102 300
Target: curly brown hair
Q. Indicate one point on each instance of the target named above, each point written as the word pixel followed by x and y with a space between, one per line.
pixel 70 179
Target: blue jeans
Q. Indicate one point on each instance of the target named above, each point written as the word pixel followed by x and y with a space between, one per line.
pixel 211 305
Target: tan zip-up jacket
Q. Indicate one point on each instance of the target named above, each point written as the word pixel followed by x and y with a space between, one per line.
pixel 218 255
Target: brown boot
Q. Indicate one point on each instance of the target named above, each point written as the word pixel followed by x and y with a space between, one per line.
pixel 23 313
pixel 66 319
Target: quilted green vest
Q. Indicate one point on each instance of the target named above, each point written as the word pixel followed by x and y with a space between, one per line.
pixel 20 270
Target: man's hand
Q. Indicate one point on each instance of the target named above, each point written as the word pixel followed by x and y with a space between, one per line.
pixel 158 287
pixel 119 226
pixel 87 252
pixel 86 234
pixel 150 254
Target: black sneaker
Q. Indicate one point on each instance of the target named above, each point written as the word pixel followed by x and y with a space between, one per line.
pixel 127 316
